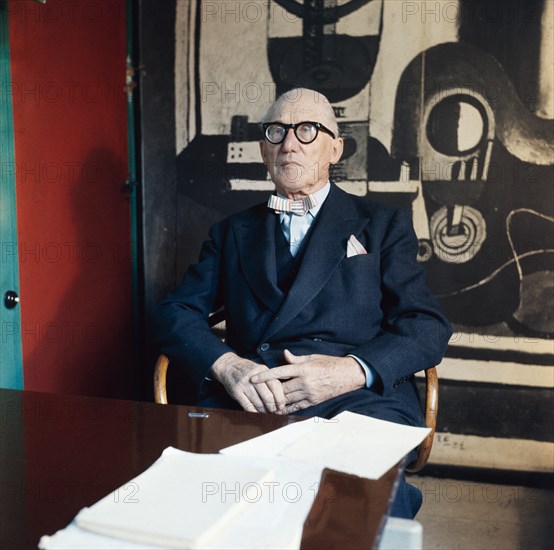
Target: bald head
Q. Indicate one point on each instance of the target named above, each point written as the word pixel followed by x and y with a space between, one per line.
pixel 314 105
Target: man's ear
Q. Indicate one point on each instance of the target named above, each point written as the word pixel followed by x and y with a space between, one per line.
pixel 337 150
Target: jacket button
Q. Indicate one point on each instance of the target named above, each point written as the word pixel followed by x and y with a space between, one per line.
pixel 264 346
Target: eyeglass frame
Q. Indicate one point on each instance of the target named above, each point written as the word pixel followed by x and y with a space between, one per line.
pixel 318 127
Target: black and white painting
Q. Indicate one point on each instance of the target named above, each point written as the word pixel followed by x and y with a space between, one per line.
pixel 446 108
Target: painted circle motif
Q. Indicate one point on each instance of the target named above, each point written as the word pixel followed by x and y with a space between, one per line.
pixel 424 251
pixel 464 245
pixel 457 125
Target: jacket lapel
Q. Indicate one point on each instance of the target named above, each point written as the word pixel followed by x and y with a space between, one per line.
pixel 255 239
pixel 338 219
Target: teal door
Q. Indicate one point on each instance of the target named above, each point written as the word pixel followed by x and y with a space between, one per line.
pixel 11 369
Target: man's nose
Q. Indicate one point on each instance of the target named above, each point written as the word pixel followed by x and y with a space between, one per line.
pixel 290 143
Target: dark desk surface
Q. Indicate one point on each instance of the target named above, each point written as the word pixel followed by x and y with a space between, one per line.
pixel 59 453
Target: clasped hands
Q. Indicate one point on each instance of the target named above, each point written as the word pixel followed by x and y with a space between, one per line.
pixel 303 381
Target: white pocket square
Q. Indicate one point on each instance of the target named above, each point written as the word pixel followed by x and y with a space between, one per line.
pixel 354 247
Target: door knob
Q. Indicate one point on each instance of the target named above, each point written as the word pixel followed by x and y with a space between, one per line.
pixel 11 299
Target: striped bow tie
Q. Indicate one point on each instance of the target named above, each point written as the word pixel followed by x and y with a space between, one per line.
pixel 298 206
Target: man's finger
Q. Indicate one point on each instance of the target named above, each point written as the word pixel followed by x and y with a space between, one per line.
pixel 246 404
pixel 277 373
pixel 292 359
pixel 295 407
pixel 266 397
pixel 292 392
pixel 249 394
pixel 276 388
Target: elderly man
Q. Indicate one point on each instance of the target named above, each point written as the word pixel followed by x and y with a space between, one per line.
pixel 326 306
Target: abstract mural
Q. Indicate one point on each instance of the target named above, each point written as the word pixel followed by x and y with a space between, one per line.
pixel 446 108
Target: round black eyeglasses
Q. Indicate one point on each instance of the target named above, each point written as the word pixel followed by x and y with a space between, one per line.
pixel 305 132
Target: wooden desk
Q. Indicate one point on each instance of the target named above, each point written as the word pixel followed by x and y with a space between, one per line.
pixel 59 453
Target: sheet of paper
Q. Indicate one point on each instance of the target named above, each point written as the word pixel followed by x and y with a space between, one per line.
pixel 182 501
pixel 350 442
pixel 277 519
pixel 356 444
pixel 273 443
pixel 75 538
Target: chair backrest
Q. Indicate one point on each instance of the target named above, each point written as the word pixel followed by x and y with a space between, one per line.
pixel 431 406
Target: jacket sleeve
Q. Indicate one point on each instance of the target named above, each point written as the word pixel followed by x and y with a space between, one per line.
pixel 179 323
pixel 414 332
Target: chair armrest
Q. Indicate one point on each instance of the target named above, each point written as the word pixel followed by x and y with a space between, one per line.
pixel 160 377
pixel 217 322
pixel 431 410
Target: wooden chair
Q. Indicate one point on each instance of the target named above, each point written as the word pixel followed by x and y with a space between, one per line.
pixel 431 408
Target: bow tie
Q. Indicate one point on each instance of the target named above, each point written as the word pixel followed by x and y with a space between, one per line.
pixel 295 206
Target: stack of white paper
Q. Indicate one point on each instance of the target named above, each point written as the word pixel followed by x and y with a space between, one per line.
pixel 181 501
pixel 187 500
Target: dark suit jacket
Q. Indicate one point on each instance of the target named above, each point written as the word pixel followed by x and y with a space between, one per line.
pixel 375 306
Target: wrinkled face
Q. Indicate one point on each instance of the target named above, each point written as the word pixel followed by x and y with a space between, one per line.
pixel 296 168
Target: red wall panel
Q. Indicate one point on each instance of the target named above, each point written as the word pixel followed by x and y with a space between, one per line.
pixel 68 75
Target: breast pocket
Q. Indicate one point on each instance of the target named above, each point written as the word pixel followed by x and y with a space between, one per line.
pixel 360 276
pixel 360 263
